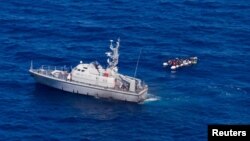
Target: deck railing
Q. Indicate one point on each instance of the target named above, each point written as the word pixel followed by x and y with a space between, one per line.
pixel 60 68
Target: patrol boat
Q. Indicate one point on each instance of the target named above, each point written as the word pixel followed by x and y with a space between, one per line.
pixel 94 80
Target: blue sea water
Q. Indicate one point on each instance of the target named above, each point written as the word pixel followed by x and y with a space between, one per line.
pixel 63 32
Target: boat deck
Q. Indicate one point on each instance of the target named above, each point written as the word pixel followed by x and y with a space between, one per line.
pixel 62 74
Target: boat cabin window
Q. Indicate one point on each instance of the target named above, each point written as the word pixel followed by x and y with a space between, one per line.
pixel 85 67
pixel 79 70
pixel 82 70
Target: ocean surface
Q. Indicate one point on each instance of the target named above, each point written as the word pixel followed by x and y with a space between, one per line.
pixel 181 103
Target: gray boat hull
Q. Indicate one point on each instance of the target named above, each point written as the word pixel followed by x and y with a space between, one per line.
pixel 90 90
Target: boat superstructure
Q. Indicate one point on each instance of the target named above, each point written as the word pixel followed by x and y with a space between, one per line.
pixel 94 80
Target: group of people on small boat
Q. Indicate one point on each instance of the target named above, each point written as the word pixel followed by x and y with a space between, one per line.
pixel 177 63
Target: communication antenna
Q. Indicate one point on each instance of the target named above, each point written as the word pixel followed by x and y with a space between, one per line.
pixel 137 63
pixel 31 65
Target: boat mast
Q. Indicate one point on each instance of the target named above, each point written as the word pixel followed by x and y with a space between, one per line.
pixel 114 55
